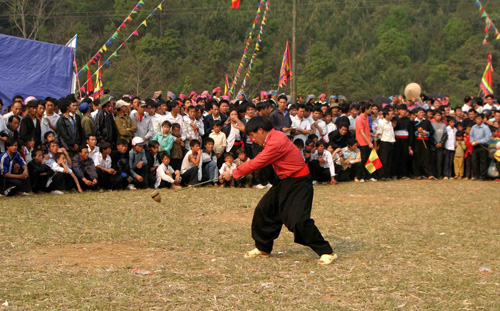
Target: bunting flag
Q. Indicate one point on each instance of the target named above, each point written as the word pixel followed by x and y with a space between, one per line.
pixel 487 80
pixel 98 83
pixel 226 86
pixel 90 86
pixel 489 24
pixel 286 72
pixel 235 4
pixel 97 57
pixel 247 45
pixel 373 162
pixel 257 48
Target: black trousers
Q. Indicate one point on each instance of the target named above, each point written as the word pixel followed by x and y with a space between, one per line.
pixel 110 182
pixel 143 171
pixel 38 183
pixel 176 164
pixel 62 182
pixel 288 203
pixel 318 173
pixel 480 155
pixel 421 159
pixel 400 166
pixel 190 177
pixel 351 172
pixel 437 156
pixel 19 185
pixel 365 154
pixel 448 163
pixel 385 154
pixel 468 166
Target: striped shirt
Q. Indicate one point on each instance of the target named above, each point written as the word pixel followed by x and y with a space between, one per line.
pixel 7 163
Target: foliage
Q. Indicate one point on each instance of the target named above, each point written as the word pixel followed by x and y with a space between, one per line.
pixel 355 48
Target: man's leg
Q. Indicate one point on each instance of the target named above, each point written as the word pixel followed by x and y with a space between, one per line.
pixel 315 170
pixel 190 177
pixel 483 162
pixel 439 162
pixel 295 202
pixel 365 154
pixel 266 222
pixel 475 162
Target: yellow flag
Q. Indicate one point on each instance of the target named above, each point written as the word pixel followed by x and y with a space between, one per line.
pixel 144 23
pixel 104 48
pixel 159 7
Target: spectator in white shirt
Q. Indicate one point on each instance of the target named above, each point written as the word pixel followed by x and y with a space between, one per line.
pixel 50 118
pixel 318 126
pixel 321 165
pixel 166 177
pixel 143 122
pixel 385 132
pixel 194 128
pixel 301 128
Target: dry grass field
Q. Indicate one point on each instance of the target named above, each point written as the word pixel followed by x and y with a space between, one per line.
pixel 406 245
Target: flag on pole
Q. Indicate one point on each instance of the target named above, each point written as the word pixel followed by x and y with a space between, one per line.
pixel 236 4
pixel 373 162
pixel 226 86
pixel 98 83
pixel 90 85
pixel 487 80
pixel 286 72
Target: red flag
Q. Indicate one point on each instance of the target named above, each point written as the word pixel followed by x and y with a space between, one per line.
pixel 236 4
pixel 90 86
pixel 136 33
pixel 286 72
pixel 226 86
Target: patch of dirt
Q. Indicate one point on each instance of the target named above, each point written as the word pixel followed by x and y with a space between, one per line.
pixel 93 255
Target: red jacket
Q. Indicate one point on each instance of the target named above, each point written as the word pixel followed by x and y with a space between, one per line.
pixel 279 151
pixel 468 146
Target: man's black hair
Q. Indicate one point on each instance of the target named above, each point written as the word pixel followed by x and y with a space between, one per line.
pixel 12 117
pixel 153 143
pixel 208 140
pixel 262 105
pixel 299 143
pixel 282 97
pixel 10 142
pixel 33 153
pixel 258 122
pixel 312 136
pixel 104 145
pixel 194 142
pixel 164 154
pixel 351 142
pixel 467 99
pixel 122 142
pixel 321 142
pixel 217 123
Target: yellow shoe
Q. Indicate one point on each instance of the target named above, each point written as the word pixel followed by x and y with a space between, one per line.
pixel 254 253
pixel 327 259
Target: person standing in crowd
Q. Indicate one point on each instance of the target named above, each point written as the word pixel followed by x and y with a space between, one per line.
pixel 16 109
pixel 301 127
pixel 363 136
pixel 423 130
pixel 385 132
pixel 104 122
pixel 86 123
pixel 49 120
pixel 400 166
pixel 31 125
pixel 69 127
pixel 458 157
pixel 125 126
pixel 143 123
pixel 280 118
pixel 449 148
pixel 480 135
pixel 438 140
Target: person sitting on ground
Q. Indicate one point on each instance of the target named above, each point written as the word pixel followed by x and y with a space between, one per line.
pixel 153 157
pixel 10 132
pixel 190 169
pixel 209 161
pixel 13 182
pixel 39 173
pixel 92 146
pixel 244 181
pixel 351 162
pixel 84 169
pixel 64 178
pixel 166 177
pixel 321 165
pixel 120 162
pixel 228 166
pixel 138 163
pixel 341 135
pixel 106 175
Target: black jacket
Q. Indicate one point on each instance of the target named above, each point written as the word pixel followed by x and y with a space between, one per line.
pixel 27 129
pixel 67 138
pixel 105 127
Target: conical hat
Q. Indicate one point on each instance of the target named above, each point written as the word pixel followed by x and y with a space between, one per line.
pixel 413 91
pixel 155 195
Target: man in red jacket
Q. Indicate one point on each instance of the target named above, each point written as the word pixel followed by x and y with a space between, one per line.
pixel 289 201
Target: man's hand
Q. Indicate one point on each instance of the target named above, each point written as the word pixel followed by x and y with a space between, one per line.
pixel 333 181
pixel 439 145
pixel 24 175
pixel 370 145
pixel 226 176
pixel 139 165
pixel 87 182
pixel 94 182
pixel 112 171
pixel 139 178
pixel 321 160
pixel 410 151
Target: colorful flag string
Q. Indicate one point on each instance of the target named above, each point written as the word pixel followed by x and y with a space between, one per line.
pixel 489 23
pixel 257 46
pixel 245 51
pixel 134 33
pixel 108 43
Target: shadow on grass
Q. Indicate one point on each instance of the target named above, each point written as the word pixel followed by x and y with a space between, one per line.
pixel 345 246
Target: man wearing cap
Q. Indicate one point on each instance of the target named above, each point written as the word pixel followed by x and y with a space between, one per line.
pixel 125 126
pixel 143 123
pixel 105 123
pixel 31 125
pixel 87 123
pixel 138 163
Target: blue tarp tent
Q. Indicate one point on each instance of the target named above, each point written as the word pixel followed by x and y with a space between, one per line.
pixel 35 68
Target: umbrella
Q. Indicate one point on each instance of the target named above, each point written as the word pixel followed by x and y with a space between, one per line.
pixel 379 100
